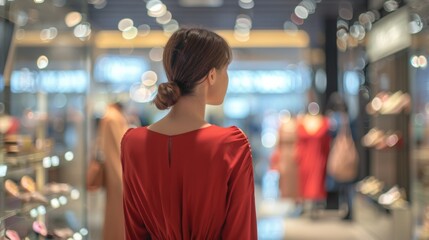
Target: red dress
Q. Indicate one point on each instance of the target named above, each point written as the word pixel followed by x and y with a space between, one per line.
pixel 312 155
pixel 194 185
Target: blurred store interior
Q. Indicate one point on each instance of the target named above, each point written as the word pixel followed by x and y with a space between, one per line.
pixel 62 62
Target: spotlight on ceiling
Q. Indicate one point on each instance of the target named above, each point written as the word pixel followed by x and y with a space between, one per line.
pixel 201 3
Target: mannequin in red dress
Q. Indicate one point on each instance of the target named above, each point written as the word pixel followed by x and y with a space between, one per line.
pixel 184 178
pixel 312 155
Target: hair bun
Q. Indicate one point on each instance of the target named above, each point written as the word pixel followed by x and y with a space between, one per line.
pixel 168 94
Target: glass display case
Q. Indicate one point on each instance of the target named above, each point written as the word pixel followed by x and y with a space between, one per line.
pixel 43 119
pixel 383 200
pixel 419 72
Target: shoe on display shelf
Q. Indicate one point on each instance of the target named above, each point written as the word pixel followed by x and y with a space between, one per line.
pixel 373 137
pixel 12 235
pixel 380 140
pixel 386 103
pixel 370 186
pixel 394 198
pixel 12 189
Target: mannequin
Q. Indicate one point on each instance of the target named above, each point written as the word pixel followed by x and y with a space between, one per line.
pixel 286 159
pixel 312 153
pixel 312 123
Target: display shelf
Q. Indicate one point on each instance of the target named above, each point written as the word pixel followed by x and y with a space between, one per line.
pixel 391 115
pixel 25 158
pixel 34 210
pixel 20 162
pixel 383 208
pixel 421 193
pixel 373 201
pixel 382 222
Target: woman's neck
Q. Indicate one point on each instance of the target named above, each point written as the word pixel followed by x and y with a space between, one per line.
pixel 189 109
pixel 186 115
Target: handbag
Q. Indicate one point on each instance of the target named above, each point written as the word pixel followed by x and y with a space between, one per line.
pixel 95 174
pixel 343 157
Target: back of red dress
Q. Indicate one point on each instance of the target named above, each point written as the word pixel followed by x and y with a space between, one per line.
pixel 195 185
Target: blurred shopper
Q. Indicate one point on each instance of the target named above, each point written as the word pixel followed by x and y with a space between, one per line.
pixel 337 112
pixel 183 177
pixel 112 127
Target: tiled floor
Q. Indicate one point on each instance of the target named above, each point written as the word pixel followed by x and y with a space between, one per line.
pixel 272 225
pixel 323 229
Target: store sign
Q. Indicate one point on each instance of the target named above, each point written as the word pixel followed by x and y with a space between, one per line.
pixel 267 81
pixel 119 69
pixel 389 35
pixel 67 81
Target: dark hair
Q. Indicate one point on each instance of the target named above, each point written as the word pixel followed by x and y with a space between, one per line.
pixel 189 55
pixel 336 103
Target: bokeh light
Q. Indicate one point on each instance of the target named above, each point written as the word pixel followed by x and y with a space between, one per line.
pixel 42 62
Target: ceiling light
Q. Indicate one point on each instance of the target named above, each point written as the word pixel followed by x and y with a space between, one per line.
pixel 159 12
pixel 248 5
pixel 390 5
pixel 82 30
pixel 149 78
pixel 301 12
pixel 144 29
pixel 53 32
pixel 415 62
pixel 295 19
pixel 155 54
pixel 365 19
pixel 164 19
pixel 416 24
pixel 72 19
pixel 243 21
pixel 423 62
pixel 357 31
pixel 48 33
pixel 241 37
pixel 201 3
pixel 242 31
pixel 290 26
pixel 125 23
pixel 154 5
pixel 346 10
pixel 100 5
pixel 342 34
pixel 171 26
pixel 341 24
pixel 44 34
pixel 309 5
pixel 130 33
pixel 42 62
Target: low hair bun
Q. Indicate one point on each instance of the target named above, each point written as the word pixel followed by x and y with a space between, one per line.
pixel 168 94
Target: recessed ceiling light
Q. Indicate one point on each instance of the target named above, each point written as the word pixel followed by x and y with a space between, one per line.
pixel 201 3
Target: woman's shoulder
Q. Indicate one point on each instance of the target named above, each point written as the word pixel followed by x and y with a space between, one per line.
pixel 232 135
pixel 231 131
pixel 133 133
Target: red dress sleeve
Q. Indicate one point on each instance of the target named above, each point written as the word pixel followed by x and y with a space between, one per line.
pixel 134 225
pixel 240 222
